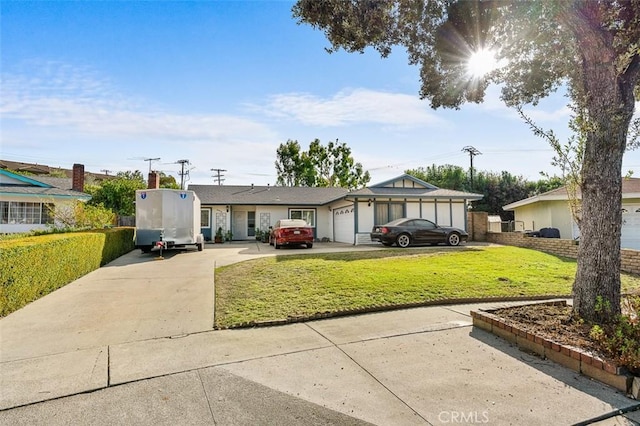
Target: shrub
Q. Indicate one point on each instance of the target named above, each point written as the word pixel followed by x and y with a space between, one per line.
pixel 32 267
pixel 77 215
pixel 620 340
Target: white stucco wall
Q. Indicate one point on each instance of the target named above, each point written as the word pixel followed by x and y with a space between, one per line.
pixel 365 217
pixel 459 215
pixel 413 209
pixel 546 214
pixel 429 211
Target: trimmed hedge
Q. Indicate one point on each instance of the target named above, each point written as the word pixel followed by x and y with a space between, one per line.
pixel 33 267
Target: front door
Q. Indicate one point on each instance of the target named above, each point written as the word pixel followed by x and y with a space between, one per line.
pixel 251 224
pixel 239 225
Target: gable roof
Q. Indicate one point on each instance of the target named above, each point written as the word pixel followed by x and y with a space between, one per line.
pixel 43 187
pixel 411 187
pixel 404 181
pixel 630 189
pixel 266 195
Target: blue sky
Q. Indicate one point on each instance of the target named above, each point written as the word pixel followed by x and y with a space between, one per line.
pixel 222 84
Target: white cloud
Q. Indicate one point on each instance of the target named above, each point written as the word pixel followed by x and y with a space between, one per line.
pixel 70 114
pixel 349 107
pixel 82 105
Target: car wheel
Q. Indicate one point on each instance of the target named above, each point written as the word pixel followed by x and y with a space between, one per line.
pixel 309 245
pixel 453 239
pixel 403 240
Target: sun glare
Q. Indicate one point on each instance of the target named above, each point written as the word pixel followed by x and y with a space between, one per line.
pixel 481 63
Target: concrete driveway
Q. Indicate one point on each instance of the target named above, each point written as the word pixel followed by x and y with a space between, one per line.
pixel 132 343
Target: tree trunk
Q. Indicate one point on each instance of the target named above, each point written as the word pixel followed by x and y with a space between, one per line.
pixel 608 105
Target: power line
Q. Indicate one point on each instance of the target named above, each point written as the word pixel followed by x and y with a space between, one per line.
pixel 472 153
pixel 183 173
pixel 218 176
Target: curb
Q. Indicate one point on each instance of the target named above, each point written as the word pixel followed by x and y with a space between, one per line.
pixel 393 307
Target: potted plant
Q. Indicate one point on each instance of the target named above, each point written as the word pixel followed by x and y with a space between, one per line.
pixel 228 236
pixel 265 236
pixel 219 238
pixel 258 235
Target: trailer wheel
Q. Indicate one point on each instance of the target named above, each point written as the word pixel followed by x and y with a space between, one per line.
pixel 199 245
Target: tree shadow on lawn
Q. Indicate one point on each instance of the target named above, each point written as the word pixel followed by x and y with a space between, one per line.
pixel 349 256
pixel 565 375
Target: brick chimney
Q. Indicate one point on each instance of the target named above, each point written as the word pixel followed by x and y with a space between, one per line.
pixel 154 180
pixel 77 178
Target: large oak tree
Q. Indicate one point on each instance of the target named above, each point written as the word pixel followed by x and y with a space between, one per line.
pixel 591 46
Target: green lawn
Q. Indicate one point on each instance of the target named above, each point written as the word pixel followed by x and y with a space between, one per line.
pixel 295 286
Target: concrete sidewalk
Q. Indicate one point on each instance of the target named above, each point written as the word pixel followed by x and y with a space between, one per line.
pixel 165 364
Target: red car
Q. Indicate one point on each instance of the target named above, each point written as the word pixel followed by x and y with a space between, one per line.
pixel 291 232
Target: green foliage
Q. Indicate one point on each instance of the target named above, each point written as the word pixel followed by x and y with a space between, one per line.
pixel 320 166
pixel 168 181
pixel 620 340
pixel 498 189
pixel 117 194
pixel 78 215
pixel 35 266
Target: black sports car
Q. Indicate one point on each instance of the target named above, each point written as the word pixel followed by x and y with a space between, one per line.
pixel 405 232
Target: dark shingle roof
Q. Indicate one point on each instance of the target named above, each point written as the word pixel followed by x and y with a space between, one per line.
pixel 266 195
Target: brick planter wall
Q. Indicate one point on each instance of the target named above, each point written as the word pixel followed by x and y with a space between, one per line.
pixel 630 259
pixel 577 360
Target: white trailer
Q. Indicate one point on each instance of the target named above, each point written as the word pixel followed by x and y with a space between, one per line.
pixel 167 218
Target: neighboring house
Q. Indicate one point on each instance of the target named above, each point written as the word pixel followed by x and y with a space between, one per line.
pixel 26 202
pixel 335 213
pixel 551 210
pixel 34 169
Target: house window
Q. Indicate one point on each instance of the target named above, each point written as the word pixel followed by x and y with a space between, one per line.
pixel 308 215
pixel 14 212
pixel 205 218
pixel 386 212
pixel 4 212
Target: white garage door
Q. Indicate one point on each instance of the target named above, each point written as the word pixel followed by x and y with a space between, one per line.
pixel 343 224
pixel 630 238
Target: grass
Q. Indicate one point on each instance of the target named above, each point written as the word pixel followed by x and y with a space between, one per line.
pixel 299 286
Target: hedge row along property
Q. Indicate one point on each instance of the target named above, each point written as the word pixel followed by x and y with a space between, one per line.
pixel 33 267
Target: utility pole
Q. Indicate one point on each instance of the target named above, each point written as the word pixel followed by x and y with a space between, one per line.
pixel 218 176
pixel 150 160
pixel 472 153
pixel 105 171
pixel 183 172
